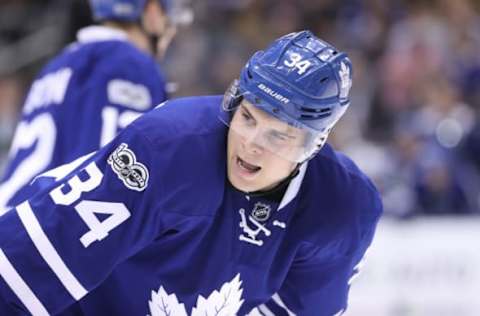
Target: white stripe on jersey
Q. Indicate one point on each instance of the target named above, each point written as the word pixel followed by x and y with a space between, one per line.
pixel 265 310
pixel 261 310
pixel 48 252
pixel 254 312
pixel 20 288
pixel 340 313
pixel 276 298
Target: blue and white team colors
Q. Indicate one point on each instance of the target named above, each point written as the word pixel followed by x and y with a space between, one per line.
pixel 79 102
pixel 150 225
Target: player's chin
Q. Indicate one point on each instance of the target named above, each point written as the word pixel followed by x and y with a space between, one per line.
pixel 243 185
pixel 241 179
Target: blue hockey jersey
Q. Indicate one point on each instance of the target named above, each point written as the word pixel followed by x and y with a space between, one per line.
pixel 79 102
pixel 150 225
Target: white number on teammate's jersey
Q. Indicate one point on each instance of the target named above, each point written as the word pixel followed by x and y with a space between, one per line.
pixel 87 209
pixel 297 62
pixel 41 133
pixel 113 120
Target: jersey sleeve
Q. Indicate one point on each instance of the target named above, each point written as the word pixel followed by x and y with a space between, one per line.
pixel 318 284
pixel 86 218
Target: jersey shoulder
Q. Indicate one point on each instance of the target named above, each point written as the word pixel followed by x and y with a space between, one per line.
pixel 182 119
pixel 348 186
pixel 108 56
pixel 113 70
pixel 342 203
pixel 188 142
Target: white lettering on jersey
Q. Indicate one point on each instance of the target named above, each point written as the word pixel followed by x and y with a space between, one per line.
pixel 47 90
pixel 225 302
pixel 113 121
pixel 132 173
pixel 118 212
pixel 38 134
pixel 67 194
pixel 129 94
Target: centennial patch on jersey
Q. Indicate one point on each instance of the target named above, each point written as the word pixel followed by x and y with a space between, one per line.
pixel 261 212
pixel 129 94
pixel 132 173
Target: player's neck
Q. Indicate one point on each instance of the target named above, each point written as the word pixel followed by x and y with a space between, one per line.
pixel 134 33
pixel 276 193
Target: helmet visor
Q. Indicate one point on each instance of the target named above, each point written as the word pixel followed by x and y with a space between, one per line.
pixel 248 118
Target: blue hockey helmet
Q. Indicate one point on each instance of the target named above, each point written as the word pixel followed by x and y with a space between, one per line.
pixel 131 10
pixel 300 80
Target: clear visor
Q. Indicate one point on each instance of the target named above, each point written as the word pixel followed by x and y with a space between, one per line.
pixel 256 127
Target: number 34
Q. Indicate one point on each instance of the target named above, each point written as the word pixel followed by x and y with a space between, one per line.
pixel 295 60
pixel 117 212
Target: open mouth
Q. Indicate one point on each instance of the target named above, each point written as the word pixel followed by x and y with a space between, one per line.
pixel 246 166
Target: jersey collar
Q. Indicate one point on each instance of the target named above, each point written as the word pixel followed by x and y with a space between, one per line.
pixel 294 186
pixel 96 33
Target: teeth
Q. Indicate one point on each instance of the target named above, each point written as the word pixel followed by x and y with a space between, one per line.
pixel 248 166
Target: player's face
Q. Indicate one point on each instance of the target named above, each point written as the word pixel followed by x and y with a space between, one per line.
pixel 252 165
pixel 157 22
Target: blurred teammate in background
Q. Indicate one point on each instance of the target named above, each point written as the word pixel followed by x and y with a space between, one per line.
pixel 211 205
pixel 94 88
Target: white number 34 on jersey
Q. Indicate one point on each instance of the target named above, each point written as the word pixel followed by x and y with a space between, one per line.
pixel 70 193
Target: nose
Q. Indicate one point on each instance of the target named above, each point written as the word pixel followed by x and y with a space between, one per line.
pixel 252 143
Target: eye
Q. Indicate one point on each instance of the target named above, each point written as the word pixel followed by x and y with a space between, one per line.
pixel 280 137
pixel 277 138
pixel 247 118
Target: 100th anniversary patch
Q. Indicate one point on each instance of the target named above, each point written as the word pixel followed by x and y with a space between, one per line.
pixel 132 173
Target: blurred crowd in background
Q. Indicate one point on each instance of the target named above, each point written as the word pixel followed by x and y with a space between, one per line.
pixel 414 121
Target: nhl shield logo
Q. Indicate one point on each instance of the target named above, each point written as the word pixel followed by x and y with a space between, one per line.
pixel 261 212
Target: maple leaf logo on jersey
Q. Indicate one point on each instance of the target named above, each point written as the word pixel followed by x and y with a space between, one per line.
pixel 124 163
pixel 226 302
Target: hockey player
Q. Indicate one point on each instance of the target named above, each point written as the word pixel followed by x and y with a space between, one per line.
pixel 93 89
pixel 205 205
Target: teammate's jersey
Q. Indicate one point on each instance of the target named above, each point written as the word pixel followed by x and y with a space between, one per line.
pixel 79 102
pixel 150 225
